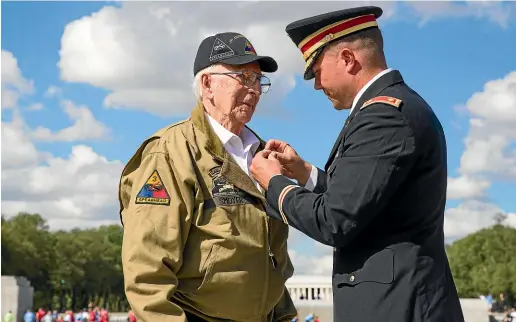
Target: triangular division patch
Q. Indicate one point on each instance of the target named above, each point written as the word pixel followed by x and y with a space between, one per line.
pixel 220 50
pixel 153 191
pixel 249 49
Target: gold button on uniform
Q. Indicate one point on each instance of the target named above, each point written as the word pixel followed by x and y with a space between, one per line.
pixel 351 278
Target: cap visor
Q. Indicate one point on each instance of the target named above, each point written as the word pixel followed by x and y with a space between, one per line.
pixel 267 64
pixel 309 72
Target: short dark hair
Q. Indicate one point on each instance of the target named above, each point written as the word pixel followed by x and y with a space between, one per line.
pixel 370 40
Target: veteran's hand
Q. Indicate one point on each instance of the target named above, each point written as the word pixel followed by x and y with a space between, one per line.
pixel 293 166
pixel 264 167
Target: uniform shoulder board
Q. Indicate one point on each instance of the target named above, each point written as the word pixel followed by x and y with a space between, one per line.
pixel 396 102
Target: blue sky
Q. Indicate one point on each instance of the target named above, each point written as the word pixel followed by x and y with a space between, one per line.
pixel 445 51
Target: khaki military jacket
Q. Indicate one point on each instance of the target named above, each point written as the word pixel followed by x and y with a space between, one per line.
pixel 196 236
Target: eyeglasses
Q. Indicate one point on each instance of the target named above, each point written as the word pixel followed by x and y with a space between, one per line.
pixel 249 78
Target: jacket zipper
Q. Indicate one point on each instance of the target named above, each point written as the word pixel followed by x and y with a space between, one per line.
pixel 271 254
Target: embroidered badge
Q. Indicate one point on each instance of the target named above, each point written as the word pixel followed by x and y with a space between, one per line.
pixel 220 50
pixel 249 49
pixel 224 193
pixel 153 191
pixel 396 102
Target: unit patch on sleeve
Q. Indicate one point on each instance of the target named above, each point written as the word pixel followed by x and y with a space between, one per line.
pixel 396 102
pixel 226 194
pixel 153 191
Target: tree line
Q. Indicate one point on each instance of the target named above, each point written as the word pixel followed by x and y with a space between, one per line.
pixel 70 269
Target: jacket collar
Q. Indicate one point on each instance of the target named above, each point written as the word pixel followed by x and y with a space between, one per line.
pixel 230 170
pixel 213 143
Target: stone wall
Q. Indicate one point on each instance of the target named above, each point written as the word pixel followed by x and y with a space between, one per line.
pixel 17 296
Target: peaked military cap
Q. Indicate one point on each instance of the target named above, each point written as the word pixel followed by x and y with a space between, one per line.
pixel 312 34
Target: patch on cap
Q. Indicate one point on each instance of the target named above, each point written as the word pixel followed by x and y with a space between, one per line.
pixel 220 50
pixel 249 49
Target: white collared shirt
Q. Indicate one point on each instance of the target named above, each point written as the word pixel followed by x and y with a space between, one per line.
pixel 310 184
pixel 241 148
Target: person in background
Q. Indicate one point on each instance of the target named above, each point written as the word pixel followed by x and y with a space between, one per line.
pixel 91 314
pixel 9 317
pixel 47 317
pixel 29 316
pixel 104 316
pixel 131 317
pixel 39 314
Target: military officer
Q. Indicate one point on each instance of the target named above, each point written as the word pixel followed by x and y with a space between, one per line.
pixel 381 197
pixel 197 244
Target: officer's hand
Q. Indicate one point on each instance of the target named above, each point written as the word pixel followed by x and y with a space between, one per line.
pixel 264 167
pixel 293 166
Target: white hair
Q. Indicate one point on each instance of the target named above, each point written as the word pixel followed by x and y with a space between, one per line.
pixel 197 80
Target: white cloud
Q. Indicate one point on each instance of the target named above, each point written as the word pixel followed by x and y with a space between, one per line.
pixel 53 91
pixel 492 131
pixel 13 82
pixel 466 187
pixel 312 264
pixel 489 152
pixel 143 53
pixel 495 11
pixel 78 191
pixel 35 107
pixel 472 216
pixel 489 155
pixel 85 126
pixel 497 101
pixel 69 192
pixel 18 152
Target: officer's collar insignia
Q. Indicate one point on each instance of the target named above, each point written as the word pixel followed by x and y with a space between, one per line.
pixel 249 49
pixel 396 102
pixel 224 193
pixel 153 191
pixel 220 50
pixel 336 30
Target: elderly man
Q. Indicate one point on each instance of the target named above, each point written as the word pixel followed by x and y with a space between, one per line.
pixel 197 244
pixel 380 201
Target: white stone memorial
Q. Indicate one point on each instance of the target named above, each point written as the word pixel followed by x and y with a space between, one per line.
pixel 17 296
pixel 313 294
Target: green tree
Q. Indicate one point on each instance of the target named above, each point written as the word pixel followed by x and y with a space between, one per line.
pixel 484 262
pixel 68 269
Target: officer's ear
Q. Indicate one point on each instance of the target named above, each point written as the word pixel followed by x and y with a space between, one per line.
pixel 206 87
pixel 347 57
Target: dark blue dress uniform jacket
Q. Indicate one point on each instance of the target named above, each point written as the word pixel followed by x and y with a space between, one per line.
pixel 380 203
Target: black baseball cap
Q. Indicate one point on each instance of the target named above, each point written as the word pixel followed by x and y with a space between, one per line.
pixel 233 49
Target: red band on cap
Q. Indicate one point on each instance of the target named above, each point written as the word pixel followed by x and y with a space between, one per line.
pixel 339 27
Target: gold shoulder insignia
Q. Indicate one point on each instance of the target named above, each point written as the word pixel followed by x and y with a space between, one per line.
pixel 396 102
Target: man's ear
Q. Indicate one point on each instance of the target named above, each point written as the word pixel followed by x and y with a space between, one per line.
pixel 206 86
pixel 347 57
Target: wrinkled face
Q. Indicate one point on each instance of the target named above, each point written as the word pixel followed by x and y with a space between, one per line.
pixel 333 71
pixel 227 90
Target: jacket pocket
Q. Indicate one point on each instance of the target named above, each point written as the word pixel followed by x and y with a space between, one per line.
pixel 379 268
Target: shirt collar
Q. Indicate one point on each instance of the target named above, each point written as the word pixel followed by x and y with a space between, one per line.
pixel 366 86
pixel 247 138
